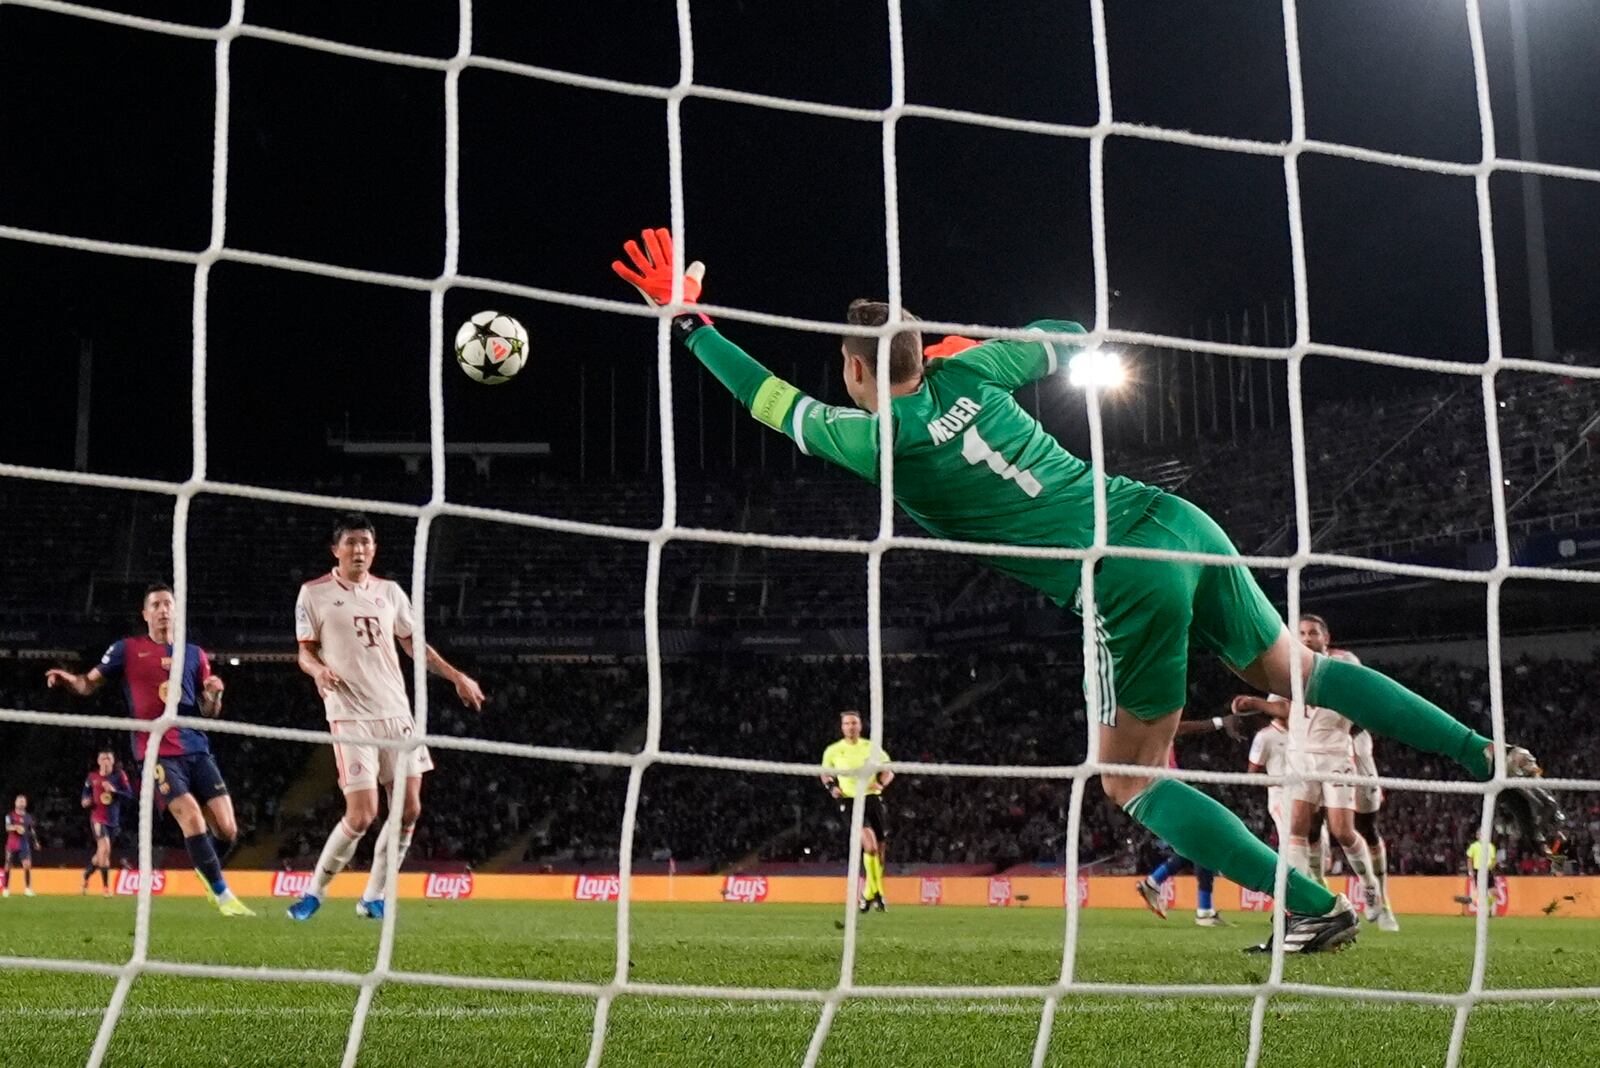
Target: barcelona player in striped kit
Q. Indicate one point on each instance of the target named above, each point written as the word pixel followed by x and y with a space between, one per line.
pixel 188 782
pixel 104 790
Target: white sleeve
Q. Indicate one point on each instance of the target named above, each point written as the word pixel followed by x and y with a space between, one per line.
pixel 1258 748
pixel 403 623
pixel 305 620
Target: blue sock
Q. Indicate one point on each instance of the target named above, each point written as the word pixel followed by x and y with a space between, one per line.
pixel 1205 877
pixel 204 855
pixel 1167 869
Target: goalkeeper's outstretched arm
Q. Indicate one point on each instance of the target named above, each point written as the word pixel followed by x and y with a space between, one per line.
pixel 845 436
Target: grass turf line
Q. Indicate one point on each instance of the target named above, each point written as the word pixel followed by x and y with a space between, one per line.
pixel 50 1019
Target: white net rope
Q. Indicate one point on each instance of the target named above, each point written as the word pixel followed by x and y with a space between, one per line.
pixel 1293 354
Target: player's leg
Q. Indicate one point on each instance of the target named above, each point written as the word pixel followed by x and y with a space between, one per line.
pixel 1371 700
pixel 1205 913
pixel 1367 826
pixel 1150 887
pixel 103 857
pixel 1317 844
pixel 1196 825
pixel 94 856
pixel 371 903
pixel 5 885
pixel 358 778
pixel 27 875
pixel 360 810
pixel 223 825
pixel 1342 826
pixel 1151 607
pixel 1302 815
pixel 392 764
pixel 190 818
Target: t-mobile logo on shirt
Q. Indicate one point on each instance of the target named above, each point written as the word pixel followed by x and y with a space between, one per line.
pixel 367 630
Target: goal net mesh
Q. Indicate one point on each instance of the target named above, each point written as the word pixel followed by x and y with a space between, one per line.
pixel 1292 354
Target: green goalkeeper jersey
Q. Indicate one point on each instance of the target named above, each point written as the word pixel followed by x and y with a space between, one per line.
pixel 969 463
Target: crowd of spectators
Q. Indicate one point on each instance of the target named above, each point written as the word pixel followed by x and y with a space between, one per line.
pixel 1386 475
pixel 1019 707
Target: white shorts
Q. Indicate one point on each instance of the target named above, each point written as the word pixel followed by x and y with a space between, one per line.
pixel 1325 794
pixel 1369 798
pixel 363 766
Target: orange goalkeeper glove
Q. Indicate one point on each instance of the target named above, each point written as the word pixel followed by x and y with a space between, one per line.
pixel 952 344
pixel 653 278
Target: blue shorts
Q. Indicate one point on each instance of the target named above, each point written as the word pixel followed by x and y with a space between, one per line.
pixel 189 773
pixel 20 856
pixel 104 830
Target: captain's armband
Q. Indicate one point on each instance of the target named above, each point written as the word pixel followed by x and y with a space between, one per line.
pixel 772 402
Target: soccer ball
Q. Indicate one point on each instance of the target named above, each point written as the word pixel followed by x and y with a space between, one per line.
pixel 491 348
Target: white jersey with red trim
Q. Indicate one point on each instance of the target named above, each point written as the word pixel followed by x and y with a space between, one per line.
pixel 356 628
pixel 1269 751
pixel 1270 747
pixel 1322 731
pixel 1361 746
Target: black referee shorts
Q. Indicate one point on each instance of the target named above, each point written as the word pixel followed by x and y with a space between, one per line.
pixel 876 815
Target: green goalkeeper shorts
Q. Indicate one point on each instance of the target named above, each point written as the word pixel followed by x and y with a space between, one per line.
pixel 1149 610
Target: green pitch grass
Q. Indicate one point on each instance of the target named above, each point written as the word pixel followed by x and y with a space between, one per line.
pixel 50 1019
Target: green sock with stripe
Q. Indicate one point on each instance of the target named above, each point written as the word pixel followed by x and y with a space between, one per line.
pixel 1383 706
pixel 1208 835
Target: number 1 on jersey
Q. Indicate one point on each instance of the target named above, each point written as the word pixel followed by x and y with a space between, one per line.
pixel 975 450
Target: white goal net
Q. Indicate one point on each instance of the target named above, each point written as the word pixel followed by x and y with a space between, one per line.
pixel 1049 997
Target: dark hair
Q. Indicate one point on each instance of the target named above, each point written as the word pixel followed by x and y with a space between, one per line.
pixel 155 587
pixel 352 521
pixel 105 750
pixel 850 712
pixel 905 351
pixel 1307 617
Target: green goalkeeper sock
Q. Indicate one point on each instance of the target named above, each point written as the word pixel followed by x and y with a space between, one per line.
pixel 1385 707
pixel 1210 836
pixel 874 875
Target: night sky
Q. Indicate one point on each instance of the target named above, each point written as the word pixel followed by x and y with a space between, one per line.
pixel 107 134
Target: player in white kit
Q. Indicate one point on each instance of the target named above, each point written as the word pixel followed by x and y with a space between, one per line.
pixel 348 623
pixel 1319 744
pixel 1369 799
pixel 1269 755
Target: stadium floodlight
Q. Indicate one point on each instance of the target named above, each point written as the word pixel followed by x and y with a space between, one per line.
pixel 1101 368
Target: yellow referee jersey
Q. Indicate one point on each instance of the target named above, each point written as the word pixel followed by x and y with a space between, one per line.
pixel 1475 855
pixel 845 755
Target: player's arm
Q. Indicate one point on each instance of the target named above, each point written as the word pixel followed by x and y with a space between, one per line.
pixel 1246 704
pixel 309 660
pixel 1012 364
pixel 1258 754
pixel 88 792
pixel 211 688
pixel 309 637
pixel 1199 726
pixel 844 436
pixel 82 685
pixel 467 687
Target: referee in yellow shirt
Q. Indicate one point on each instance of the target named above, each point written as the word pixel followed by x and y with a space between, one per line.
pixel 848 754
pixel 1478 858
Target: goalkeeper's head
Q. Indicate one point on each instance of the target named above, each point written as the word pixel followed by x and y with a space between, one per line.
pixel 861 355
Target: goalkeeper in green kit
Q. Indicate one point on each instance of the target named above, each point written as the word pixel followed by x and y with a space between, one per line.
pixel 971 465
